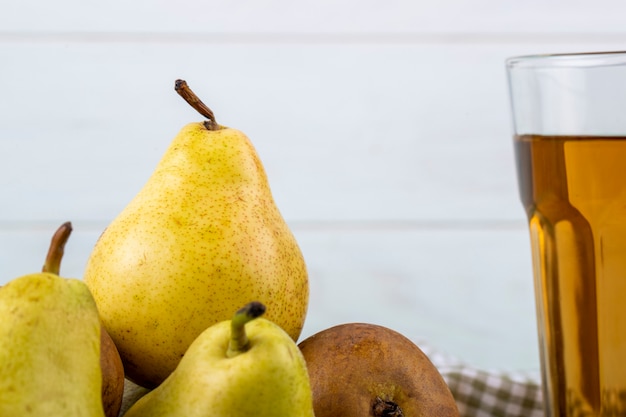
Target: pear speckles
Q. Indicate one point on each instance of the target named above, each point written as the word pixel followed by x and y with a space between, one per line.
pixel 38 377
pixel 202 238
pixel 235 371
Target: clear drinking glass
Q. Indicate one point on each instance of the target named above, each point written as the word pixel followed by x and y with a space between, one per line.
pixel 569 118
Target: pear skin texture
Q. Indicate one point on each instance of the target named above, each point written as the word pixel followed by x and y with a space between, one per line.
pixel 49 348
pixel 269 379
pixel 199 240
pixel 352 364
pixel 112 375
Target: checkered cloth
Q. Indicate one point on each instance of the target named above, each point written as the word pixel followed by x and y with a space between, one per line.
pixel 478 393
pixel 482 393
pixel 486 394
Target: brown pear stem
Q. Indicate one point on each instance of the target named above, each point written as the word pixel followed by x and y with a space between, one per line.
pixel 57 247
pixel 384 408
pixel 194 101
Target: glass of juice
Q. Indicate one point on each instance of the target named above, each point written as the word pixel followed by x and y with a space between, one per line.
pixel 569 121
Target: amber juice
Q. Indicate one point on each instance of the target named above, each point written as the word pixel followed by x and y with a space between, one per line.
pixel 574 193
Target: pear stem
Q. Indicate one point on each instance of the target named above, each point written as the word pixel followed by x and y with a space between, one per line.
pixel 57 248
pixel 239 342
pixel 194 101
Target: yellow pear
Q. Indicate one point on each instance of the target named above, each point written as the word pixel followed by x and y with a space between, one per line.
pixel 247 366
pixel 49 344
pixel 200 239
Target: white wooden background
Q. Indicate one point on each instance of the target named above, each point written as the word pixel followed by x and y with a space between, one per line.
pixel 384 128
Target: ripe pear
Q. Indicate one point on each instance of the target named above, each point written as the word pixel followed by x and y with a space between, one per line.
pixel 49 344
pixel 243 367
pixel 200 239
pixel 362 369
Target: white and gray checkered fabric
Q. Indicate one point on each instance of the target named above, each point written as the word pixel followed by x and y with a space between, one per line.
pixel 483 393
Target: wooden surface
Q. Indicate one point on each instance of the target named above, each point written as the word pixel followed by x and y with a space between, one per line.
pixel 384 129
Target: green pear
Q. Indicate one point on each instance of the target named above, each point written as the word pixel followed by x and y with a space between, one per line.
pixel 234 369
pixel 49 343
pixel 200 239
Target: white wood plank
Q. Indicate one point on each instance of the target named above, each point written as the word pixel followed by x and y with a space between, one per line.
pixel 384 128
pixel 467 292
pixel 353 133
pixel 282 16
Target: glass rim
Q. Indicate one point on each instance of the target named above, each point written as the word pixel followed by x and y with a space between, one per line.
pixel 570 60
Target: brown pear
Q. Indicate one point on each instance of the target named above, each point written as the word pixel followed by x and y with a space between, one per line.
pixel 361 369
pixel 112 375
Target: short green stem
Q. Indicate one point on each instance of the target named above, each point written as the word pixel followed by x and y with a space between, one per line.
pixel 239 342
pixel 57 248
